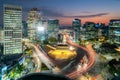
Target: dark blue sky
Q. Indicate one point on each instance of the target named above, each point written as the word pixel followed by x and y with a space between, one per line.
pixel 66 10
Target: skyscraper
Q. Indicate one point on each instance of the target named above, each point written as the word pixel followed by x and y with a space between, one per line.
pixel 1 41
pixel 12 29
pixel 76 24
pixel 114 31
pixel 53 27
pixel 24 29
pixel 90 30
pixel 33 22
pixel 1 35
pixel 76 27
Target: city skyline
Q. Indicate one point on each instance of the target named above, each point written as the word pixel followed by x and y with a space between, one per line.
pixel 98 11
pixel 78 39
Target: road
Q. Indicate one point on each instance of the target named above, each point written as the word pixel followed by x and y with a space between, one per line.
pixel 81 52
pixel 37 61
pixel 87 51
pixel 43 58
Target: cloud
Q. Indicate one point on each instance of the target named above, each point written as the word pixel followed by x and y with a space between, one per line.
pixel 50 13
pixel 45 12
pixel 88 16
pixel 85 12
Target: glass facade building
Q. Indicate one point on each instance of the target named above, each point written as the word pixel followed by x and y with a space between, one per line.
pixel 33 20
pixel 53 28
pixel 76 27
pixel 12 29
pixel 114 31
pixel 1 35
pixel 91 31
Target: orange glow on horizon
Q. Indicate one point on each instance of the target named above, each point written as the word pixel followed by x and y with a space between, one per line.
pixel 68 21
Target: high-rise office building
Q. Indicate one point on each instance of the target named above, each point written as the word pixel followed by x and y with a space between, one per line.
pixel 104 29
pixel 114 31
pixel 42 30
pixel 24 29
pixel 76 27
pixel 1 41
pixel 90 26
pixel 53 27
pixel 76 24
pixel 33 21
pixel 1 35
pixel 90 30
pixel 12 29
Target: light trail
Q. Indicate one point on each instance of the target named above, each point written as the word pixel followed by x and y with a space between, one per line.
pixel 90 55
pixel 76 73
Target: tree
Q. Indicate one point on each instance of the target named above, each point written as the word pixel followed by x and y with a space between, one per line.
pixel 108 48
pixel 52 40
pixel 45 41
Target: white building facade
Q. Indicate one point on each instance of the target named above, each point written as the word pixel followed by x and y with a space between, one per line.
pixel 33 21
pixel 12 29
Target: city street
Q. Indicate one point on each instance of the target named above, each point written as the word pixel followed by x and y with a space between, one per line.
pixel 84 59
pixel 88 52
pixel 78 39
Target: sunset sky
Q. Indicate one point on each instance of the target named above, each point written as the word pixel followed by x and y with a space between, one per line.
pixel 98 11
